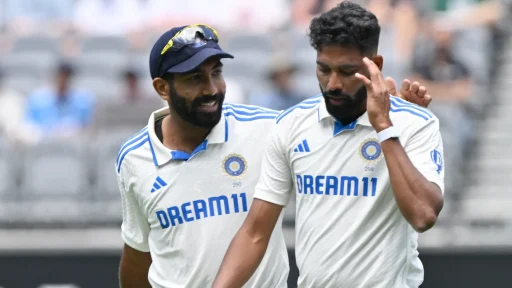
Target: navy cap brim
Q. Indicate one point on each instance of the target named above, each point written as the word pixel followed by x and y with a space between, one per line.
pixel 198 58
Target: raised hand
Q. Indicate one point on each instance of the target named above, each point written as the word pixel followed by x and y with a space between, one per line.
pixel 377 103
pixel 413 93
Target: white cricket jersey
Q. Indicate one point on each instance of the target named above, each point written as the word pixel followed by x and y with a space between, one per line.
pixel 185 209
pixel 349 230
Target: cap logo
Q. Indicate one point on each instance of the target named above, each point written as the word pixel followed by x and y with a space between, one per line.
pixel 167 46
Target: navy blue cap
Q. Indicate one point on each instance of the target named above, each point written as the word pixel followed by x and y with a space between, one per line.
pixel 183 60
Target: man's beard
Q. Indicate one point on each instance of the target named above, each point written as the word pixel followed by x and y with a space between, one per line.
pixel 191 113
pixel 352 107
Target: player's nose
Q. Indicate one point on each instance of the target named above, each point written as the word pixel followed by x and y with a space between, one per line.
pixel 210 88
pixel 334 83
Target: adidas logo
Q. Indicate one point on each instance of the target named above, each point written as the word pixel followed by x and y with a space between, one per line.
pixel 303 147
pixel 159 183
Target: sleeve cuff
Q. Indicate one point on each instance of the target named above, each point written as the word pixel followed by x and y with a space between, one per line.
pixel 271 197
pixel 129 242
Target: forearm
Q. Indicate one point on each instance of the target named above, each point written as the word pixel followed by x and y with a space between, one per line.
pixel 242 258
pixel 134 269
pixel 416 197
pixel 133 278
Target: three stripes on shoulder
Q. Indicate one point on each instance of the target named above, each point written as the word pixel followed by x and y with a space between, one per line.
pixel 248 112
pixel 131 144
pixel 400 105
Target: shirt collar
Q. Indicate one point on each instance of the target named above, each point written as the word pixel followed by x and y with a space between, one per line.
pixel 338 127
pixel 162 155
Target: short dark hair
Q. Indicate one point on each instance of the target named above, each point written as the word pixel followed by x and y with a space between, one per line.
pixel 130 73
pixel 66 67
pixel 169 77
pixel 347 24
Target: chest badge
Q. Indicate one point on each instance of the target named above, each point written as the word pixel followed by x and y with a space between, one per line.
pixel 370 150
pixel 234 165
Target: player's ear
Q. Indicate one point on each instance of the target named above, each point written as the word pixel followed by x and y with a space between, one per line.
pixel 379 61
pixel 161 87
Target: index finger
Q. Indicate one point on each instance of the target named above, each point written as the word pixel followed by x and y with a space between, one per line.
pixel 375 74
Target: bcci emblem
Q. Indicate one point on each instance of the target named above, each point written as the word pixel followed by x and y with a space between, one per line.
pixel 370 150
pixel 437 159
pixel 234 165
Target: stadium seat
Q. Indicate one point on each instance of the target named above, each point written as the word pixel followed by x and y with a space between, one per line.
pixel 101 64
pixel 35 43
pixel 29 64
pixel 9 190
pixel 258 42
pixel 55 184
pixel 487 209
pixel 8 171
pixel 24 84
pixel 104 89
pixel 117 115
pixel 106 209
pixel 105 43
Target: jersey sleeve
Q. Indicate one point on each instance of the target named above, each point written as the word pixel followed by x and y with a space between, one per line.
pixel 425 150
pixel 275 183
pixel 135 227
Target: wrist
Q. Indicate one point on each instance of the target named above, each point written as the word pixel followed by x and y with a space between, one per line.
pixel 389 133
pixel 383 125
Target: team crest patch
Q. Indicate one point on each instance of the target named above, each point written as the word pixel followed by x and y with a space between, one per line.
pixel 370 150
pixel 234 165
pixel 437 159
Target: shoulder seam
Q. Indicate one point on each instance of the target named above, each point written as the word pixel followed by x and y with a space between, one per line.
pixel 127 148
pixel 130 141
pixel 399 105
pixel 306 104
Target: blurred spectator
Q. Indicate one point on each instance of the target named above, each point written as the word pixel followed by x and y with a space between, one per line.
pixel 133 92
pixel 471 23
pixel 61 110
pixel 450 83
pixel 282 94
pixel 303 11
pixel 12 105
pixel 399 25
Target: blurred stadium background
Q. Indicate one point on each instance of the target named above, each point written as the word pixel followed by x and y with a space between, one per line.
pixel 59 204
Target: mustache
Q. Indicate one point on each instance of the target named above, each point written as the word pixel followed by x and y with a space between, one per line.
pixel 207 98
pixel 338 93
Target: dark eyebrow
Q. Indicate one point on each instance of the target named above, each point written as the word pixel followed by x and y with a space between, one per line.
pixel 321 64
pixel 342 67
pixel 218 65
pixel 199 70
pixel 193 71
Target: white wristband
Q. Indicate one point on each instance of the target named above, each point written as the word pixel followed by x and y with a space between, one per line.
pixel 391 132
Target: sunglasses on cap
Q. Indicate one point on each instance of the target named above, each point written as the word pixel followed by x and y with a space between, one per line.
pixel 196 35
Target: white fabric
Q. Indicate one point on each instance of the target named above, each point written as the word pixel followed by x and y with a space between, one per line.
pixel 391 132
pixel 187 212
pixel 349 230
